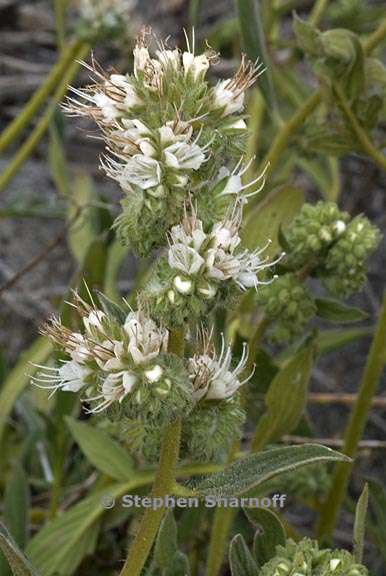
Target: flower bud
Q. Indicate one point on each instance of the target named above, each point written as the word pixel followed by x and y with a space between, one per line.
pixel 311 232
pixel 306 558
pixel 346 261
pixel 289 304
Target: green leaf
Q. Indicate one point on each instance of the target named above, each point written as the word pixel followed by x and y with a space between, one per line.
pixel 337 312
pixel 375 73
pixel 252 471
pixel 378 508
pixel 285 399
pixel 101 450
pixel 117 254
pixel 270 533
pixel 63 543
pixel 331 340
pixel 16 505
pixel 240 559
pixel 71 536
pixel 344 60
pixel 19 564
pixel 324 171
pixel 94 265
pixel 82 233
pixel 181 566
pixel 19 377
pixel 166 544
pixel 57 161
pixel 111 308
pixel 360 524
pixel 254 44
pixel 265 220
pixel 307 36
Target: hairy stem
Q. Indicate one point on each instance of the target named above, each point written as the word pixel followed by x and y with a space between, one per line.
pixel 39 97
pixel 365 142
pixel 355 428
pixel 163 484
pixel 290 127
pixel 223 518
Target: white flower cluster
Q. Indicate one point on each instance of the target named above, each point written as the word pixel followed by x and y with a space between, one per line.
pixel 107 357
pixel 213 377
pixel 154 158
pixel 112 361
pixel 160 122
pixel 215 256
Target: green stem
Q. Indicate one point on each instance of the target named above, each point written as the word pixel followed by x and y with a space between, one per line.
pixel 223 518
pixel 317 11
pixel 59 10
pixel 289 128
pixel 151 520
pixel 41 127
pixel 292 125
pixel 16 126
pixel 356 426
pixel 163 483
pixel 360 133
pixel 194 12
pixel 375 38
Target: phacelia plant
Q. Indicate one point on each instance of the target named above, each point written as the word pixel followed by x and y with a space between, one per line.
pixel 176 145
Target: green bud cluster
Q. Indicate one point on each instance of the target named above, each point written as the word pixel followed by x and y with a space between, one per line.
pixel 162 402
pixel 346 261
pixel 170 136
pixel 306 558
pixel 211 429
pixel 288 302
pixel 312 232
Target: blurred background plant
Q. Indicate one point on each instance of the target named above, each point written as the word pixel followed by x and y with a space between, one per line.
pixel 318 118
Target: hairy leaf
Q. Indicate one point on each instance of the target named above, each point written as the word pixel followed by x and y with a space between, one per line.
pixel 253 470
pixel 16 505
pixel 330 340
pixel 19 377
pixel 240 559
pixel 270 533
pixel 285 399
pixel 360 524
pixel 72 536
pixel 101 450
pixel 267 218
pixel 166 544
pixel 336 311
